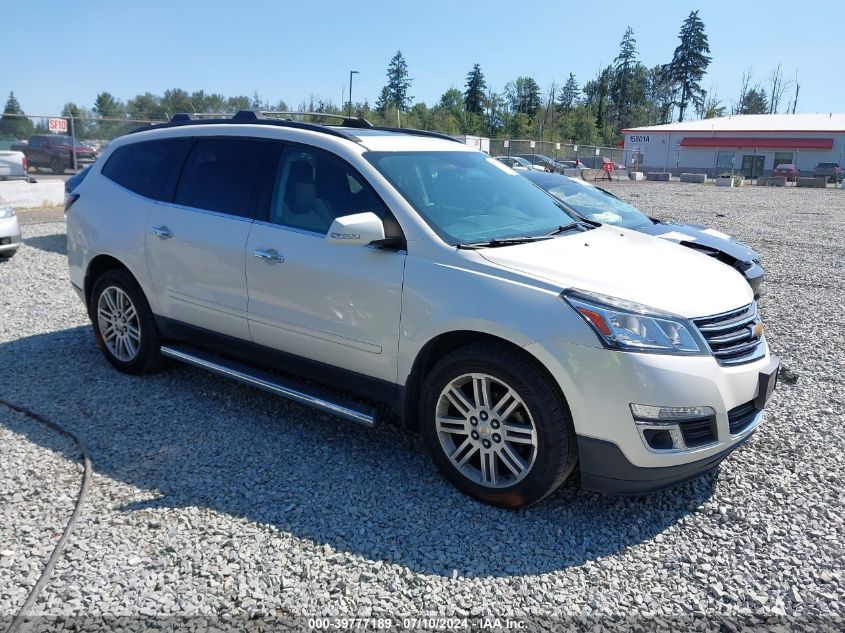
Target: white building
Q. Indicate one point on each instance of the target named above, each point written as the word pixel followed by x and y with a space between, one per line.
pixel 750 143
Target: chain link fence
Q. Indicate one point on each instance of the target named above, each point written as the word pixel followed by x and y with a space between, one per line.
pixel 62 144
pixel 589 156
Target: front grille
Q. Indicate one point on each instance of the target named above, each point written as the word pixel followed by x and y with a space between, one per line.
pixel 698 432
pixel 740 417
pixel 732 336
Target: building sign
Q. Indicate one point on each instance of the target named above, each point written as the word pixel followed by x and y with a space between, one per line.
pixel 57 125
pixel 639 138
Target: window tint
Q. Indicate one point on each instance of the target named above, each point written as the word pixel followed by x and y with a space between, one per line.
pixel 312 189
pixel 221 174
pixel 144 167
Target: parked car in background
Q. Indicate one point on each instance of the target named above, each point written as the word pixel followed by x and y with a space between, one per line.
pixel 521 340
pixel 598 205
pixel 568 164
pixel 831 171
pixel 518 163
pixel 13 165
pixel 786 170
pixel 546 162
pixel 10 230
pixel 55 152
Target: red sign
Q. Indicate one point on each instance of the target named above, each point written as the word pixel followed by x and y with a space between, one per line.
pixel 57 125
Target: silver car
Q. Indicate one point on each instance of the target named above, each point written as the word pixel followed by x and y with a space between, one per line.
pixel 10 230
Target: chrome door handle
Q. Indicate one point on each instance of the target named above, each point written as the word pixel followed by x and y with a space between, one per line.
pixel 270 256
pixel 162 231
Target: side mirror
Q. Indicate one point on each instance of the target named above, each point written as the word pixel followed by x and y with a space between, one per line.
pixel 359 229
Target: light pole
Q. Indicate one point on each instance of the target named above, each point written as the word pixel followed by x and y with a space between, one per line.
pixel 351 72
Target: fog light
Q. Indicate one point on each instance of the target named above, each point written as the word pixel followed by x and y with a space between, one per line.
pixel 669 414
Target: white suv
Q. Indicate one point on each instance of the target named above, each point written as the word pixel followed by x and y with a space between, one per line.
pixel 409 270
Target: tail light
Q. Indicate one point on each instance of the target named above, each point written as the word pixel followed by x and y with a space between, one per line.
pixel 70 198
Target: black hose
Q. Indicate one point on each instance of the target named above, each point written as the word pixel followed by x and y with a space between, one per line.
pixel 83 492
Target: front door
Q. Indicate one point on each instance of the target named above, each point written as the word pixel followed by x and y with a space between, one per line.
pixel 332 303
pixel 752 165
pixel 195 245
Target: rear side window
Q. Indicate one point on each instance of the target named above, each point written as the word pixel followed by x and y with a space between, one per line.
pixel 223 174
pixel 145 167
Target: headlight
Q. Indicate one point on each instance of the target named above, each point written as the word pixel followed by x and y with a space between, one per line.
pixel 632 327
pixel 6 212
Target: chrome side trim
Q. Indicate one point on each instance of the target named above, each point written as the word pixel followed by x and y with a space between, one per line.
pixel 347 413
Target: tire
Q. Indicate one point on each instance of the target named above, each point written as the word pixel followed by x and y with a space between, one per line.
pixel 57 166
pixel 512 462
pixel 133 345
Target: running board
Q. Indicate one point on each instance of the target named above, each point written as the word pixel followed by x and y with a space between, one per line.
pixel 287 388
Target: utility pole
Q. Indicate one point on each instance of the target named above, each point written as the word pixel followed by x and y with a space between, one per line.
pixel 351 72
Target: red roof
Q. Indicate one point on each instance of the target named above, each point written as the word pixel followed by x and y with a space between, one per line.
pixel 757 142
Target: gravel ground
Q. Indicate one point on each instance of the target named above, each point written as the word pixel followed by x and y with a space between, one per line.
pixel 213 499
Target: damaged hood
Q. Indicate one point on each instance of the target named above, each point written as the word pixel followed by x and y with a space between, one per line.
pixel 629 265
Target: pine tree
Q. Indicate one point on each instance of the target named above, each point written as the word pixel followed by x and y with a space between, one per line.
pixel 105 105
pixel 13 124
pixel 384 101
pixel 398 83
pixel 569 95
pixel 622 89
pixel 474 95
pixel 754 101
pixel 689 63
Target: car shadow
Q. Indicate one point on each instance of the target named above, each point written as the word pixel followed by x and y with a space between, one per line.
pixel 192 439
pixel 55 243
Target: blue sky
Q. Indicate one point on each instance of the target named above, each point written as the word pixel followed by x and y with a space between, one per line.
pixel 290 50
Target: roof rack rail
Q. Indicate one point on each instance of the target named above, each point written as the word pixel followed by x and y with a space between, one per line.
pixel 183 119
pixel 346 121
pixel 415 132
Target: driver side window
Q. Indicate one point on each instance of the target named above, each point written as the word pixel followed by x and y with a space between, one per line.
pixel 313 188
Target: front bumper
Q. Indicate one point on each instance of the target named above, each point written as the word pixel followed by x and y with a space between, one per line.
pixel 600 385
pixel 10 234
pixel 604 468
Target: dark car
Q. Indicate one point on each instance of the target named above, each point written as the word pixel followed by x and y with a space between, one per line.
pixel 55 152
pixel 830 171
pixel 598 205
pixel 549 164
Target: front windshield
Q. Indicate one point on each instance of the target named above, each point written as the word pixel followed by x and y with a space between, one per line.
pixel 594 204
pixel 468 197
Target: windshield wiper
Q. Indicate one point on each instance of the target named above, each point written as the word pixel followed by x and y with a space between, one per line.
pixel 503 241
pixel 564 228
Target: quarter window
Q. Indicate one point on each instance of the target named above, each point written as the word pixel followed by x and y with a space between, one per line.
pixel 144 167
pixel 222 174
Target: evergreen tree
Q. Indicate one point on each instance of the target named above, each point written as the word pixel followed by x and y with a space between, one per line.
pixel 754 101
pixel 569 95
pixel 689 63
pixel 622 88
pixel 398 82
pixel 523 95
pixel 384 101
pixel 13 125
pixel 106 106
pixel 474 95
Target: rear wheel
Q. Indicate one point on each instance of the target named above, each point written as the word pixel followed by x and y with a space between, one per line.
pixel 124 325
pixel 496 426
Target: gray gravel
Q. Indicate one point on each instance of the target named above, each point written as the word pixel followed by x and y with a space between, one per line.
pixel 214 499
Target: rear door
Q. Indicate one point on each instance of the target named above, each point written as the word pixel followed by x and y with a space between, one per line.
pixel 336 304
pixel 195 242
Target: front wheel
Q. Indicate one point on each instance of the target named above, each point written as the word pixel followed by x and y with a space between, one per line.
pixel 496 426
pixel 124 325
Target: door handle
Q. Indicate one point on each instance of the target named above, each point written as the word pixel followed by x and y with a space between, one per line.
pixel 162 231
pixel 270 256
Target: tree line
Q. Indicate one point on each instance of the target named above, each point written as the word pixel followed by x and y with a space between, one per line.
pixel 624 94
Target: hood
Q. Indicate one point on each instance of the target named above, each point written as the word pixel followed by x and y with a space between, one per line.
pixel 629 265
pixel 696 235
